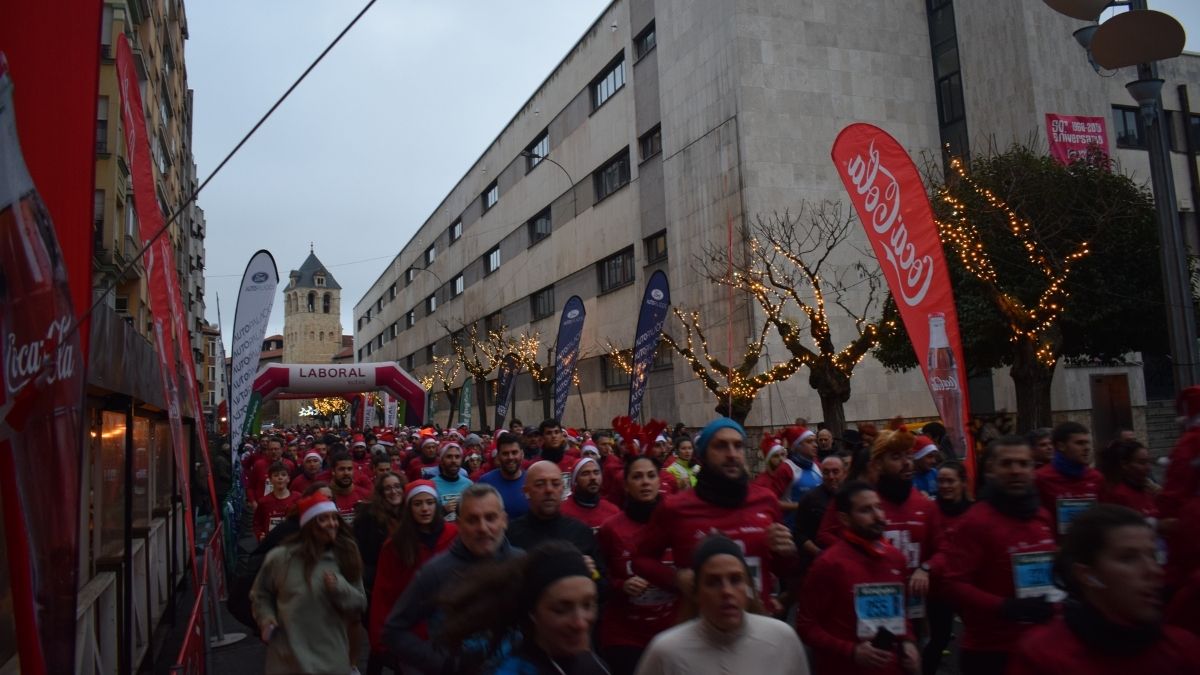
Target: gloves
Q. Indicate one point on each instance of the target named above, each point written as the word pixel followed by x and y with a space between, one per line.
pixel 1027 610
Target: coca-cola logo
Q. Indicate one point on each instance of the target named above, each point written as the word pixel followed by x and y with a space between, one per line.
pixel 51 354
pixel 880 202
pixel 947 383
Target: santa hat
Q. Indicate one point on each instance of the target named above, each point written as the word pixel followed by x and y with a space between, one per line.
pixel 923 446
pixel 387 438
pixel 446 446
pixel 662 438
pixel 292 441
pixel 428 440
pixel 454 434
pixel 897 440
pixel 311 455
pixel 579 467
pixel 573 435
pixel 359 440
pixel 420 487
pixel 590 450
pixel 313 506
pixel 797 435
pixel 772 446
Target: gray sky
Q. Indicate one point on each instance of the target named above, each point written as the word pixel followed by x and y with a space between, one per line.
pixel 368 145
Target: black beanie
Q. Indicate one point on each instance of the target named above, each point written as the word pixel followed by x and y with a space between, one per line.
pixel 548 565
pixel 715 544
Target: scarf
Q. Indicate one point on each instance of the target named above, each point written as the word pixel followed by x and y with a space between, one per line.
pixel 1066 466
pixel 894 489
pixel 586 501
pixel 874 549
pixel 1105 636
pixel 1022 507
pixel 953 508
pixel 715 488
pixel 640 512
pixel 554 454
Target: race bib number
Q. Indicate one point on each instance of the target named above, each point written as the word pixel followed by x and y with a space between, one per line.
pixel 566 476
pixel 446 501
pixel 902 540
pixel 754 563
pixel 879 606
pixel 1068 509
pixel 275 520
pixel 1033 576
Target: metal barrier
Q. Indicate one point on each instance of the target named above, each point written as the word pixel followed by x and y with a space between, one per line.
pixel 205 629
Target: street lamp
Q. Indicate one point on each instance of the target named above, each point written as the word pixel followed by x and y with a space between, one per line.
pixel 1141 37
pixel 571 181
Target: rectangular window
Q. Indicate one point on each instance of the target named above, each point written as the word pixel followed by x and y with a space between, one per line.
pixel 540 227
pixel 410 318
pixel 491 261
pixel 378 304
pixel 410 361
pixel 493 322
pixel 491 196
pixel 663 357
pixel 537 151
pixel 98 210
pixel 409 275
pixel 616 271
pixel 645 41
pixel 431 254
pixel 212 373
pixel 613 375
pixel 1128 127
pixel 121 304
pixel 102 125
pixel 541 303
pixel 1193 131
pixel 429 354
pixel 370 346
pixel 608 82
pixel 431 304
pixel 950 98
pixel 395 330
pixel 612 176
pixel 455 231
pixel 360 355
pixel 456 286
pixel 656 247
pixel 650 144
pixel 379 341
pixel 392 292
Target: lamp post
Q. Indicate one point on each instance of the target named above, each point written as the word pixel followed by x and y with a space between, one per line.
pixel 571 181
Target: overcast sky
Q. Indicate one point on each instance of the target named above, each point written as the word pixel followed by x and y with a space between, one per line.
pixel 368 145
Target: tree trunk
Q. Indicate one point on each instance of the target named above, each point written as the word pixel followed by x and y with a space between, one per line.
pixel 1032 381
pixel 453 409
pixel 481 397
pixel 833 386
pixel 741 409
pixel 547 392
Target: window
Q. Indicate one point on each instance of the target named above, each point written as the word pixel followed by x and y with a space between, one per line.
pixel 429 354
pixel 1128 127
pixel 431 254
pixel 950 98
pixel 392 293
pixel 410 318
pixel 537 151
pixel 312 304
pixel 492 323
pixel 379 304
pixel 1193 131
pixel 455 231
pixel 612 374
pixel 541 303
pixel 650 144
pixel 540 227
pixel 98 210
pixel 645 41
pixel 656 247
pixel 121 304
pixel 431 304
pixel 319 281
pixel 612 176
pixel 409 275
pixel 410 361
pixel 370 346
pixel 491 261
pixel 379 341
pixel 616 271
pixel 360 354
pixel 663 356
pixel 607 84
pixel 456 286
pixel 102 125
pixel 491 195
pixel 326 303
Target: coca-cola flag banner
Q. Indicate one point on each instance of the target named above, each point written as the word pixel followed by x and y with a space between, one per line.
pixel 40 405
pixel 510 366
pixel 1073 137
pixel 255 299
pixel 655 303
pixel 566 352
pixel 890 199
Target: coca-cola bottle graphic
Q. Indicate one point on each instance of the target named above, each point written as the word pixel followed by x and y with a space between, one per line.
pixel 943 382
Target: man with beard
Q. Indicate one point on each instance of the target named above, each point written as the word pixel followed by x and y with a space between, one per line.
pixel 346 495
pixel 531 443
pixel 508 478
pixel 1068 485
pixel 545 520
pixel 854 595
pixel 913 521
pixel 450 481
pixel 424 464
pixel 585 503
pixel 999 559
pixel 554 449
pixel 310 472
pixel 723 501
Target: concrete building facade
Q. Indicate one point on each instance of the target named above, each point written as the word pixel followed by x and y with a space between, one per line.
pixel 673 122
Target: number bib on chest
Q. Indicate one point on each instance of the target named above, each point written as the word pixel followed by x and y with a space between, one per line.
pixel 1068 509
pixel 1033 576
pixel 902 541
pixel 879 606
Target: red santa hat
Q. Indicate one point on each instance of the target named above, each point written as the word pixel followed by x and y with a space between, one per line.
pixel 310 455
pixel 313 506
pixel 387 439
pixel 796 435
pixel 771 446
pixel 573 435
pixel 359 440
pixel 923 446
pixel 420 487
pixel 446 446
pixel 579 467
pixel 590 450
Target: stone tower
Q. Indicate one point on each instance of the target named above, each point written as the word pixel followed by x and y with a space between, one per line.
pixel 312 324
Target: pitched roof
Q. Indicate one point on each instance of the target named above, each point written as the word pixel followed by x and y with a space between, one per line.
pixel 303 277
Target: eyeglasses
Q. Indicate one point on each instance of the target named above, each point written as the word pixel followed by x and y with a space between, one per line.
pixel 392 488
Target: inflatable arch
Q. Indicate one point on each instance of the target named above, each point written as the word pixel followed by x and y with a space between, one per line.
pixel 289 380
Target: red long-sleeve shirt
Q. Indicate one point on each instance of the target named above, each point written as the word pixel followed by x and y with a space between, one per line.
pixel 593 516
pixel 259 482
pixel 913 527
pixel 1054 649
pixel 978 574
pixel 1064 497
pixel 1125 495
pixel 392 576
pixel 684 519
pixel 612 483
pixel 827 618
pixel 346 502
pixel 303 480
pixel 1180 499
pixel 630 621
pixel 270 511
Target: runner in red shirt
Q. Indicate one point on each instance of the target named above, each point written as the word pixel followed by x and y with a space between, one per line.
pixel 1179 503
pixel 259 483
pixel 1125 466
pixel 1067 485
pixel 346 495
pixel 310 472
pixel 585 503
pixel 424 466
pixel 273 506
pixel 724 502
pixel 852 614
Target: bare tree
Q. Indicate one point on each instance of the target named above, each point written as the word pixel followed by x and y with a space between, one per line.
pixel 444 372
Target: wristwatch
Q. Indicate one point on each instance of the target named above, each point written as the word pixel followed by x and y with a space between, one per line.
pixel 924 567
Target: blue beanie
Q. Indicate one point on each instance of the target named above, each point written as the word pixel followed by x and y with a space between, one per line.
pixel 710 430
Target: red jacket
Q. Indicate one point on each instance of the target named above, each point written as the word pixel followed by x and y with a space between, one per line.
pixel 630 621
pixel 1184 610
pixel 776 481
pixel 612 483
pixel 1128 496
pixel 1055 649
pixel 270 511
pixel 418 469
pixel 259 482
pixel 827 618
pixel 1066 496
pixel 346 503
pixel 978 573
pixel 914 527
pixel 1180 499
pixel 302 481
pixel 682 520
pixel 392 576
pixel 592 516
